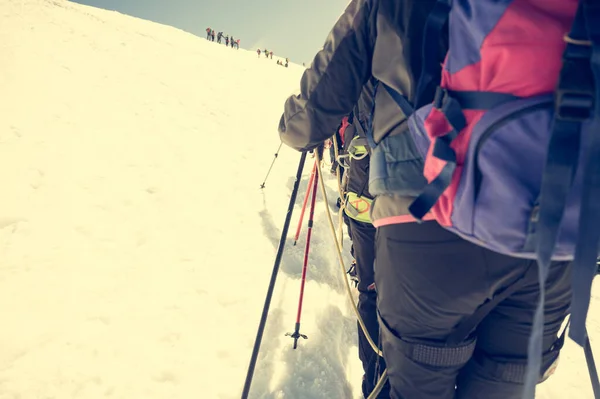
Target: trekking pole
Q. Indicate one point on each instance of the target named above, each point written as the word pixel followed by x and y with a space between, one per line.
pixel 310 182
pixel 296 334
pixel 272 163
pixel 265 312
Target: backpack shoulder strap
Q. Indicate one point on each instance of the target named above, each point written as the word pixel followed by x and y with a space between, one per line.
pixel 432 32
pixel 369 130
pixel 403 102
pixel 430 69
pixel 577 100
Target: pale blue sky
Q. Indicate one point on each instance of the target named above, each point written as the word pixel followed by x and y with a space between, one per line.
pixel 291 28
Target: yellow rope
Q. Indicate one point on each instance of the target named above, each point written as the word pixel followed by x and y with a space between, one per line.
pixel 343 267
pixel 338 246
pixel 382 380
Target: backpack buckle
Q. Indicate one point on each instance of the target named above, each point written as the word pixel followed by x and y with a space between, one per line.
pixel 575 95
pixel 439 97
pixel 573 107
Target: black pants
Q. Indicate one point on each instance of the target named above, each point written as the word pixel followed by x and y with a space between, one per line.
pixel 363 243
pixel 429 281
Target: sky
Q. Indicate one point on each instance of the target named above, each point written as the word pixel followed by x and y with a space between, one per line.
pixel 295 29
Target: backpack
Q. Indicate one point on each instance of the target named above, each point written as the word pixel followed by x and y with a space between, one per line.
pixel 511 141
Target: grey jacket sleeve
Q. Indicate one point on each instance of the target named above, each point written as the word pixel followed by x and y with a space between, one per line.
pixel 330 88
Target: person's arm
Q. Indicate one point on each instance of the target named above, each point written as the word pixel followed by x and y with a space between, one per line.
pixel 330 88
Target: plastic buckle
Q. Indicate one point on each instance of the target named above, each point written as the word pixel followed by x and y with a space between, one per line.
pixel 352 209
pixel 575 95
pixel 574 107
pixel 438 99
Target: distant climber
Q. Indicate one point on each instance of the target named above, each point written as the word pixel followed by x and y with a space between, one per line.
pixel 258 52
pixel 212 35
pixel 227 40
pixel 271 54
pixel 232 41
pixel 208 32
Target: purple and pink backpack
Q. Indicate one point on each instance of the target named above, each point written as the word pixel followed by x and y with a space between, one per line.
pixel 512 140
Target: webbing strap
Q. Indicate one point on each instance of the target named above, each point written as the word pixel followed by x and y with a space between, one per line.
pixel 432 32
pixel 586 251
pixel 362 130
pixel 451 103
pixel 574 104
pixel 442 150
pixel 369 132
pixel 479 100
pixel 405 105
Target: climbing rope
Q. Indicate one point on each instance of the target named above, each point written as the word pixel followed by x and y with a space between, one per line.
pixel 382 380
pixel 343 266
pixel 384 377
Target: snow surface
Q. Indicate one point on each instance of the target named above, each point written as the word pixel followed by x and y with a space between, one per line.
pixel 135 243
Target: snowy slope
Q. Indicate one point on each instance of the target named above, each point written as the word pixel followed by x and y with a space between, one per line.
pixel 135 245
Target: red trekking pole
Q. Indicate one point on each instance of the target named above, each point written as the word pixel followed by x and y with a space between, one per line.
pixel 296 334
pixel 310 182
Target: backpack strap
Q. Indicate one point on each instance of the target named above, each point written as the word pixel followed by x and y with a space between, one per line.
pixel 360 127
pixel 576 101
pixel 369 131
pixel 588 100
pixel 475 99
pixel 362 130
pixel 405 105
pixel 432 32
pixel 436 20
pixel 434 25
pixel 451 104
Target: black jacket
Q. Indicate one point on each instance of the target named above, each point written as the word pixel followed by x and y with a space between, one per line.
pixel 378 38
